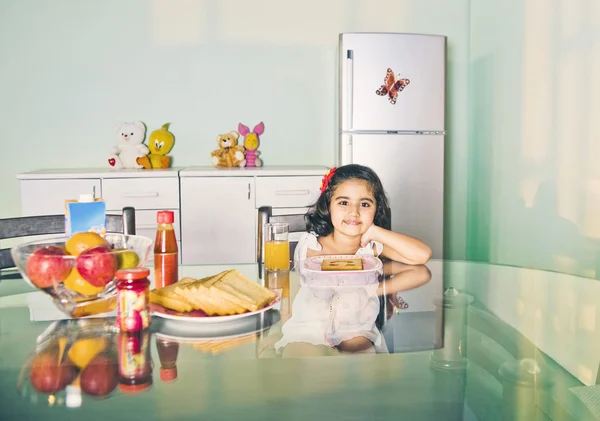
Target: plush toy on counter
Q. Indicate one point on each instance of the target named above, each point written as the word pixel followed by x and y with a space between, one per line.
pixel 160 143
pixel 251 143
pixel 130 147
pixel 229 154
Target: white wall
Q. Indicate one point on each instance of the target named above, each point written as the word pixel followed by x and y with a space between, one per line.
pixel 73 69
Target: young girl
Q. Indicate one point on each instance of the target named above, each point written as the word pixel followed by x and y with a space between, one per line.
pixel 349 218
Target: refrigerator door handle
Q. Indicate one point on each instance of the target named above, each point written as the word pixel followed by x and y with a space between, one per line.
pixel 349 150
pixel 349 86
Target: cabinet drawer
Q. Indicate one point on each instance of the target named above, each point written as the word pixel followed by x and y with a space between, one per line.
pixel 145 224
pixel 287 192
pixel 47 197
pixel 141 193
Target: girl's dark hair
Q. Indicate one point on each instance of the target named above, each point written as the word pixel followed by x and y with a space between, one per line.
pixel 318 218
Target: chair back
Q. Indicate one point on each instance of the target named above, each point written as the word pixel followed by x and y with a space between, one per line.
pixel 26 226
pixel 296 223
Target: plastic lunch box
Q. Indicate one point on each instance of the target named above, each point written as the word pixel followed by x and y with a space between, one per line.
pixel 311 274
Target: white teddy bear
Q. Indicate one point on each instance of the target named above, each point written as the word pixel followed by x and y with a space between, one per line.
pixel 130 138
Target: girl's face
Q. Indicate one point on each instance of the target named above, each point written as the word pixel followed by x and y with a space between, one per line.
pixel 352 208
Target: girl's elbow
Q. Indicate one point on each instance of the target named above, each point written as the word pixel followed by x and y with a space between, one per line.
pixel 424 256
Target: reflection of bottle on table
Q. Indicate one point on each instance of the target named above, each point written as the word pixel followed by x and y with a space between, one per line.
pixel 167 353
pixel 135 362
pixel 451 315
pixel 166 259
pixel 279 282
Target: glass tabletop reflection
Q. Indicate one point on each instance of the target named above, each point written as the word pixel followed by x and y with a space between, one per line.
pixel 450 340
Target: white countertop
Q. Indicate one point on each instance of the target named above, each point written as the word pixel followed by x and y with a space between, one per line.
pixel 272 171
pixel 55 173
pixel 200 171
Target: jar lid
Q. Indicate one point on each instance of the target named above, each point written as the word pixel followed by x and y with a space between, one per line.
pixel 132 274
pixel 134 388
pixel 165 217
pixel 168 374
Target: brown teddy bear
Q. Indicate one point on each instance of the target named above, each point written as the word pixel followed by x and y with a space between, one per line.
pixel 229 154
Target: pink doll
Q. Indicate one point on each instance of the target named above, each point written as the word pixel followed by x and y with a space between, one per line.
pixel 251 143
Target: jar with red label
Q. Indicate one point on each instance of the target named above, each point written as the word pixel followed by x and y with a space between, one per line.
pixel 133 297
pixel 135 362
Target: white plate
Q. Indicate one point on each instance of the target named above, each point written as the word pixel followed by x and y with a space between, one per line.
pixel 214 319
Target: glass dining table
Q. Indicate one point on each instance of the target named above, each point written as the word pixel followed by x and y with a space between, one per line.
pixel 450 340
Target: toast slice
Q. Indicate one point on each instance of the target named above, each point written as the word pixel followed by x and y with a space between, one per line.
pixel 253 295
pixel 190 292
pixel 342 264
pixel 168 298
pixel 171 301
pixel 212 304
pixel 219 289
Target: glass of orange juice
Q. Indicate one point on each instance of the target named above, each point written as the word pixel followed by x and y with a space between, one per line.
pixel 277 246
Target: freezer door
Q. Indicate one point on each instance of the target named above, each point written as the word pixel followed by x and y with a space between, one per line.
pixel 417 64
pixel 411 168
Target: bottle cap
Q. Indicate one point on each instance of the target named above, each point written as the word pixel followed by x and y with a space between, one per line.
pixel 168 374
pixel 86 198
pixel 134 388
pixel 132 274
pixel 165 217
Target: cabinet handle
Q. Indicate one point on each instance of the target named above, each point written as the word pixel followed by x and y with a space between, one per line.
pixel 292 192
pixel 248 191
pixel 145 226
pixel 148 194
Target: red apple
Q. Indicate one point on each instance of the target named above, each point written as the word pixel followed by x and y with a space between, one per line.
pixel 100 376
pixel 47 376
pixel 97 265
pixel 47 265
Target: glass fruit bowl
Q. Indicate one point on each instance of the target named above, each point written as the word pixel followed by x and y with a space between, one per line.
pixel 79 272
pixel 73 360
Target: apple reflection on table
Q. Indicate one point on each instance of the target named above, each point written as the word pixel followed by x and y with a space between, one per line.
pixel 87 358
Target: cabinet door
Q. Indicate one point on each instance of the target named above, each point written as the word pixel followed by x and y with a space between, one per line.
pixel 47 197
pixel 218 220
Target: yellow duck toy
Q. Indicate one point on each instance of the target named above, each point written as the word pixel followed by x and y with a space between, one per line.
pixel 160 143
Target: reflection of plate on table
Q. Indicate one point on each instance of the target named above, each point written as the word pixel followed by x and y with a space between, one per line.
pixel 169 329
pixel 197 324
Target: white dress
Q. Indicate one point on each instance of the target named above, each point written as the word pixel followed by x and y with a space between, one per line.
pixel 308 240
pixel 329 316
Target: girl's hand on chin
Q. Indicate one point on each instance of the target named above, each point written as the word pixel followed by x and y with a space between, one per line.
pixel 367 236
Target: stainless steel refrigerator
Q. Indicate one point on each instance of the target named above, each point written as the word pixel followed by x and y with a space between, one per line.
pixel 391 118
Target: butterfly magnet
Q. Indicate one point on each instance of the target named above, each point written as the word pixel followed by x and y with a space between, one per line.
pixel 392 85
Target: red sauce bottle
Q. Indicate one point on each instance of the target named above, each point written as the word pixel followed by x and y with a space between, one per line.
pixel 167 352
pixel 166 253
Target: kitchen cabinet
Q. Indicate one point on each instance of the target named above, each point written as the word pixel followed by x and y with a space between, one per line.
pixel 219 214
pixel 47 196
pixel 215 208
pixel 217 219
pixel 148 191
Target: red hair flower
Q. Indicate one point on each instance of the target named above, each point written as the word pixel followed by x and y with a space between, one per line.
pixel 326 178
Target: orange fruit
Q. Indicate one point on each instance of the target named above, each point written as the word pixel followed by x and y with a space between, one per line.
pixel 76 283
pixel 81 241
pixel 84 350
